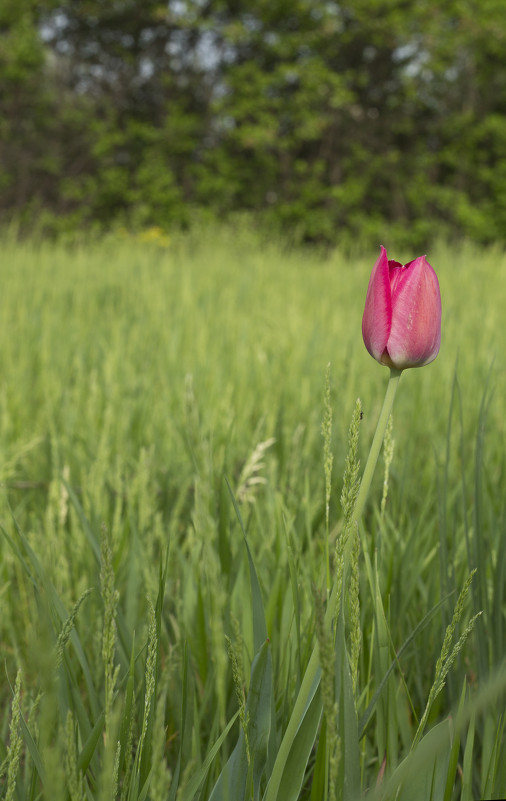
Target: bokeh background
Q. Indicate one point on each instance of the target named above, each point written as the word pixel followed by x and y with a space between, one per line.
pixel 363 120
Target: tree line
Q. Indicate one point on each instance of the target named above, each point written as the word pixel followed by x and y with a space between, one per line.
pixel 334 121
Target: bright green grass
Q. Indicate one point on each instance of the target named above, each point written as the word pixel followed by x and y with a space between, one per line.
pixel 134 380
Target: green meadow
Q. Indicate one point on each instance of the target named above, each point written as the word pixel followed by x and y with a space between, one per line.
pixel 166 556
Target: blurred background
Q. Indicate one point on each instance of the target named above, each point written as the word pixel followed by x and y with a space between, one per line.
pixel 335 122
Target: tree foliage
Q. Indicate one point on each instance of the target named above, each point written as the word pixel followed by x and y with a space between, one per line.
pixel 364 118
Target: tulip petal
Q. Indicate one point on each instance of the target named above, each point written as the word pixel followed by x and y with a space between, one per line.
pixel 377 317
pixel 415 332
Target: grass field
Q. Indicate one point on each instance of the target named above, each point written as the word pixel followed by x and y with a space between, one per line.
pixel 143 644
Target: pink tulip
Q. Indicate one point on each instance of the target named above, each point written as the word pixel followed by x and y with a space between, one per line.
pixel 401 325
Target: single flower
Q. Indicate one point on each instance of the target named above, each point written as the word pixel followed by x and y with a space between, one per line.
pixel 401 325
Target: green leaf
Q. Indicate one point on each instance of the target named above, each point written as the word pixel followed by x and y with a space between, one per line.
pixel 349 774
pixel 58 606
pixel 198 777
pixel 300 751
pixel 89 746
pixel 422 775
pixel 146 758
pixel 259 624
pixel 128 708
pixel 454 755
pixel 367 716
pixel 234 780
pixel 87 529
pixel 467 763
pixel 320 767
pixel 32 748
pixel 294 584
pixel 186 719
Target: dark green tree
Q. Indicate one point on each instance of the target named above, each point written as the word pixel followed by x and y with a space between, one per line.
pixel 366 116
pixel 360 120
pixel 139 64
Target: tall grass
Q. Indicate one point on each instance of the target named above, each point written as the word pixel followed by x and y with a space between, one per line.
pixel 165 552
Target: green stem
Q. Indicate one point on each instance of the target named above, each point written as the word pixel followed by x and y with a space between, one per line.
pixel 313 666
pixel 393 383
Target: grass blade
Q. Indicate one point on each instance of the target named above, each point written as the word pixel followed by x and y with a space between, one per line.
pixel 296 763
pixel 454 754
pixel 467 764
pixel 198 777
pixel 247 761
pixel 367 716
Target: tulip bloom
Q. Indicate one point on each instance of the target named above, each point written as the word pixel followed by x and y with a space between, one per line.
pixel 401 325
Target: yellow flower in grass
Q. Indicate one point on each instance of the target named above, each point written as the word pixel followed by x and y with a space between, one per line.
pixel 154 235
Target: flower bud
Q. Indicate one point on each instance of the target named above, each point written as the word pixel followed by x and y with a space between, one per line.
pixel 401 325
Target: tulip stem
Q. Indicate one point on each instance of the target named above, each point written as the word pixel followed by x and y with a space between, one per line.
pixel 393 383
pixel 311 676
